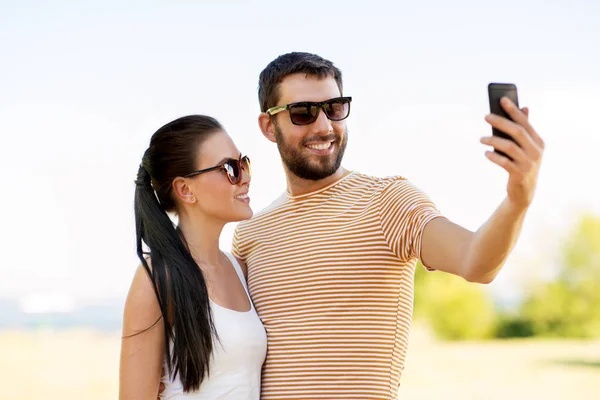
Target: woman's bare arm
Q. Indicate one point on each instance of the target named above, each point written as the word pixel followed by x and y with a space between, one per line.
pixel 142 345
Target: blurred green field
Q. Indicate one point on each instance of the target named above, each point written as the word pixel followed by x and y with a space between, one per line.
pixel 82 364
pixel 501 369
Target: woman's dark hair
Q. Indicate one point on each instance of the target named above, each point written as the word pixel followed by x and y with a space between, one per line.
pixel 177 279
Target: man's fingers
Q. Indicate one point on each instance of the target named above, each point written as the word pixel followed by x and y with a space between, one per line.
pixel 517 132
pixel 161 388
pixel 521 117
pixel 502 161
pixel 509 148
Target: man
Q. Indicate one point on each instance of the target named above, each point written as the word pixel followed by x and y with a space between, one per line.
pixel 330 263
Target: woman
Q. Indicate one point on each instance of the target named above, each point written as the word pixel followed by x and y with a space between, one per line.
pixel 188 312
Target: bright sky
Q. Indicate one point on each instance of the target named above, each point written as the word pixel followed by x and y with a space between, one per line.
pixel 83 87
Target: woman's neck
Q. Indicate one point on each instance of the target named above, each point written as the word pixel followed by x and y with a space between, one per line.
pixel 202 237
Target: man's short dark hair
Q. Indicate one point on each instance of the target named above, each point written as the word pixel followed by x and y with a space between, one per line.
pixel 292 63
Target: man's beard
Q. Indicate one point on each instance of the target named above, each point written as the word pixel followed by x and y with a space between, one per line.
pixel 304 168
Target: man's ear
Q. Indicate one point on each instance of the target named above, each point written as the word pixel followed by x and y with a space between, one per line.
pixel 183 191
pixel 267 126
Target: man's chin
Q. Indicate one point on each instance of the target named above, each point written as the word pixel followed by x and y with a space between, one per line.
pixel 315 173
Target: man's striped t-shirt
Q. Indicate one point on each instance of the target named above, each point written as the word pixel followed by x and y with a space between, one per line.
pixel 331 276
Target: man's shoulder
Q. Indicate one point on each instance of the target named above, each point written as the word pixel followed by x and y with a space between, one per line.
pixel 390 189
pixel 358 182
pixel 380 183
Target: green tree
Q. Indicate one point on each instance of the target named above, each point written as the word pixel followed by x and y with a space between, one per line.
pixel 569 306
pixel 453 307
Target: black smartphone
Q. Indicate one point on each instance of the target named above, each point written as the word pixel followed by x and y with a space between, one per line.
pixel 495 92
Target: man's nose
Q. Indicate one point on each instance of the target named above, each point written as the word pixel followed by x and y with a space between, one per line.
pixel 322 125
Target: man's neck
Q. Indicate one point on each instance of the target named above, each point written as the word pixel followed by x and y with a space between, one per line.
pixel 297 186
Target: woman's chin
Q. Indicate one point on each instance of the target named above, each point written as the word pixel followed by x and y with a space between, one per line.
pixel 243 215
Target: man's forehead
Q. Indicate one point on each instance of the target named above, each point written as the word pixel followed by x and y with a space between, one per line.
pixel 302 87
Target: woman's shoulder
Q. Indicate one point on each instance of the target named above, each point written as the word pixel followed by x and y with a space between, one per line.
pixel 141 306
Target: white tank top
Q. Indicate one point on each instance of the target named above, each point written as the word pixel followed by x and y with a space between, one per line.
pixel 237 359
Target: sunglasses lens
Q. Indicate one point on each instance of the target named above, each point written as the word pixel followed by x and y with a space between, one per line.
pixel 246 166
pixel 337 109
pixel 303 114
pixel 233 172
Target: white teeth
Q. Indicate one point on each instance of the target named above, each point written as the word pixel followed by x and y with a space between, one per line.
pixel 323 146
pixel 242 196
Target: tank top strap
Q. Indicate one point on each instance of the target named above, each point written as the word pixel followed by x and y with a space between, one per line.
pixel 238 270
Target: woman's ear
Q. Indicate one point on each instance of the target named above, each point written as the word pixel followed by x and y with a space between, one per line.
pixel 183 191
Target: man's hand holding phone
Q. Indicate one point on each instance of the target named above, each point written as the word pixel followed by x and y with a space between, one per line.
pixel 520 155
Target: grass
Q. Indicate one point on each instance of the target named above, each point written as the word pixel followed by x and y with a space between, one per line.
pixel 501 370
pixel 82 364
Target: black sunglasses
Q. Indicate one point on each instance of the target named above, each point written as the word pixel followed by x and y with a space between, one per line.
pixel 233 168
pixel 307 112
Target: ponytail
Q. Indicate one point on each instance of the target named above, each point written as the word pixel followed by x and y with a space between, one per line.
pixel 178 284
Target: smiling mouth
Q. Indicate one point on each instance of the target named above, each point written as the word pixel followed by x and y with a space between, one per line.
pixel 320 146
pixel 242 196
